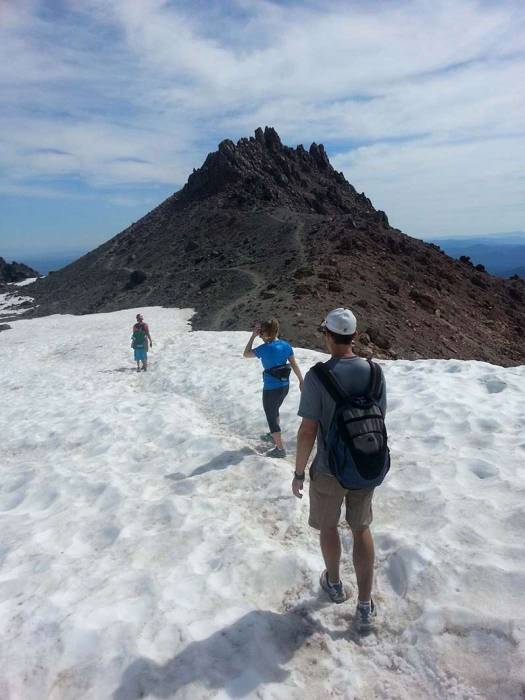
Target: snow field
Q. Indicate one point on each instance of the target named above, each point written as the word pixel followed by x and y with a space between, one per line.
pixel 148 550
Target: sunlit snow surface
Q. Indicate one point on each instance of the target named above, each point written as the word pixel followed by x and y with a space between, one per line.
pixel 24 283
pixel 147 550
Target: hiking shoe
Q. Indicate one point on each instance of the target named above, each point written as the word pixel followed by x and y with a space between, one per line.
pixel 276 453
pixel 267 437
pixel 336 592
pixel 365 617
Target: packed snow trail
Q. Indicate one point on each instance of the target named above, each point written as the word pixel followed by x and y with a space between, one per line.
pixel 148 551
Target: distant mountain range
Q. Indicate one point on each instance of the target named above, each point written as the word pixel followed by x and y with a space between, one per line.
pixel 502 254
pixel 46 263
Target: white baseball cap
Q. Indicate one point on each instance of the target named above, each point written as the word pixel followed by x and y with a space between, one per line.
pixel 340 321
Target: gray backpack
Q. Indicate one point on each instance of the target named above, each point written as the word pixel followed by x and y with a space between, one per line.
pixel 356 442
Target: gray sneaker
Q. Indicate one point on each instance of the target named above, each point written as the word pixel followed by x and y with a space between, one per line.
pixel 336 592
pixel 365 617
pixel 276 453
pixel 267 437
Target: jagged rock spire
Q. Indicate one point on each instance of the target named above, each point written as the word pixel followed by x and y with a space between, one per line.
pixel 260 169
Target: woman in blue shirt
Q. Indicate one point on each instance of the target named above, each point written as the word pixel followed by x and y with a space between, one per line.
pixel 278 360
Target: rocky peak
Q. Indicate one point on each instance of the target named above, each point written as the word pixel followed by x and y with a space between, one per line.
pixel 319 155
pixel 269 138
pixel 260 170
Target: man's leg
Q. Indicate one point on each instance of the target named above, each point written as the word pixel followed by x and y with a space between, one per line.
pixel 359 516
pixel 363 556
pixel 326 499
pixel 331 550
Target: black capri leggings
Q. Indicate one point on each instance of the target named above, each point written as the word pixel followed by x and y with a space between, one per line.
pixel 272 400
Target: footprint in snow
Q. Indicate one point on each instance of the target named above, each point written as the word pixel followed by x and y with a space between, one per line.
pixel 482 469
pixel 493 384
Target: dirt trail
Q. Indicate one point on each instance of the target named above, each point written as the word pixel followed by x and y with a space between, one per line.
pixel 256 279
pixel 222 314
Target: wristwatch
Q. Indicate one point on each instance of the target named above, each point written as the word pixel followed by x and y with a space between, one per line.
pixel 299 477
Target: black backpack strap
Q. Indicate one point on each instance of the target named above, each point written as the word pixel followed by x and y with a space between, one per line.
pixel 332 386
pixel 326 378
pixel 376 380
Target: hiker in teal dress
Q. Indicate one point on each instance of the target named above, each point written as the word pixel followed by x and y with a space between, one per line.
pixel 139 342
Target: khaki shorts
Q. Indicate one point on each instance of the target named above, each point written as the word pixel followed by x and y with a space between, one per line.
pixel 326 498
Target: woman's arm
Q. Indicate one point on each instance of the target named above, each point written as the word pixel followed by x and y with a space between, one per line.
pixel 248 352
pixel 297 371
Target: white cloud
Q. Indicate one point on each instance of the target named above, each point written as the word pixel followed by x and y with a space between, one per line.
pixel 434 187
pixel 128 93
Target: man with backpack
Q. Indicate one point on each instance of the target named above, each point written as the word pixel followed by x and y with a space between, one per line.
pixel 139 342
pixel 342 405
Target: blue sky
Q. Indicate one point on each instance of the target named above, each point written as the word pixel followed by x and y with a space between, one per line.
pixel 107 106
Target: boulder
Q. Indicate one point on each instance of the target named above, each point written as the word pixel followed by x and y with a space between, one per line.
pixel 136 277
pixel 378 337
pixel 423 299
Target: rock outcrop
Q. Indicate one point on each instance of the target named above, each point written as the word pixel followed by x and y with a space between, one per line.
pixel 15 272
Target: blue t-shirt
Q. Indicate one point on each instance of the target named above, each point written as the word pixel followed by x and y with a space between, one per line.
pixel 271 355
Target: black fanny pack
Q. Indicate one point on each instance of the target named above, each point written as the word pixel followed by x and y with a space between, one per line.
pixel 281 372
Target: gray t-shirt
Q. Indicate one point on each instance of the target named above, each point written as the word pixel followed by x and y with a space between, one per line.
pixel 353 374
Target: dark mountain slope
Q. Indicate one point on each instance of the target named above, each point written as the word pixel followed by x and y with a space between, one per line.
pixel 262 229
pixel 15 272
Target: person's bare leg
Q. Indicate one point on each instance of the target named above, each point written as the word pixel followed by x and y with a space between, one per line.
pixel 331 550
pixel 278 441
pixel 277 436
pixel 363 556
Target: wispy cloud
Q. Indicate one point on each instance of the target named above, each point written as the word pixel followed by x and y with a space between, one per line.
pixel 420 103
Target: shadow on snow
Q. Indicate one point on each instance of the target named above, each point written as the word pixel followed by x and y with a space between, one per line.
pixel 223 461
pixel 250 652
